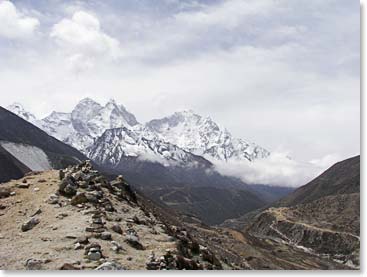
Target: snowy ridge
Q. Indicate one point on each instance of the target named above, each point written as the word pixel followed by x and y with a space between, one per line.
pixel 19 110
pixel 203 136
pixel 117 143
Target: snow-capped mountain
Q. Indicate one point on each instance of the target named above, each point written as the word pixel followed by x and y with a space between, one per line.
pixel 202 136
pixel 84 124
pixel 119 143
pixel 19 110
pixel 110 132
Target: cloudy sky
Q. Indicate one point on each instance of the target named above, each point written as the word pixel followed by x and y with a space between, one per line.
pixel 284 74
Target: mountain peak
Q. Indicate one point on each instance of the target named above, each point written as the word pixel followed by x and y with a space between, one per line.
pixel 187 114
pixel 20 111
pixel 88 100
pixel 111 102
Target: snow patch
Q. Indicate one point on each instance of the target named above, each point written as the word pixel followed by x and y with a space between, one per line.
pixel 32 157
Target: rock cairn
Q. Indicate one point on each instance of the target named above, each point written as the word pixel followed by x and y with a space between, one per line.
pixel 86 188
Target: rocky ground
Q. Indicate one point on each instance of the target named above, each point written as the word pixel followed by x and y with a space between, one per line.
pixel 316 228
pixel 76 219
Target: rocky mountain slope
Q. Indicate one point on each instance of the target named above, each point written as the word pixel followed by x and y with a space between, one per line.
pixel 322 217
pixel 342 178
pixel 77 219
pixel 24 147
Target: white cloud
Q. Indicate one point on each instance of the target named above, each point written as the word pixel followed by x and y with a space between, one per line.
pixel 82 37
pixel 14 24
pixel 326 161
pixel 79 63
pixel 277 170
pixel 279 73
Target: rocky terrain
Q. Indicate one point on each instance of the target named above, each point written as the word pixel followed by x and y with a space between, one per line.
pixel 76 219
pixel 322 217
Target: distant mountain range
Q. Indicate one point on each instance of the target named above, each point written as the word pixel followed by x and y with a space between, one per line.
pixel 183 131
pixel 172 156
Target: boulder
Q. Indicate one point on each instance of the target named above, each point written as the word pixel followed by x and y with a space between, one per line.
pixel 106 236
pixel 68 187
pixel 110 266
pixel 53 199
pixel 23 186
pixel 117 228
pixel 4 192
pixel 67 266
pixel 80 198
pixel 30 224
pixel 134 242
pixel 33 264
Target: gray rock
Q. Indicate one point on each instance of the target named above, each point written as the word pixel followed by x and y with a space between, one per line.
pixel 80 198
pixel 30 224
pixel 94 256
pixel 36 212
pixel 78 246
pixel 33 264
pixel 23 186
pixel 106 236
pixel 53 199
pixel 133 241
pixel 83 240
pixel 110 266
pixel 116 246
pixel 68 266
pixel 68 187
pixel 117 228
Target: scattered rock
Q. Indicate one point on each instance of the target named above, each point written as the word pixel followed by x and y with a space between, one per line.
pixel 117 228
pixel 22 186
pixel 80 198
pixel 33 264
pixel 12 193
pixel 53 199
pixel 106 236
pixel 67 266
pixel 133 241
pixel 78 246
pixel 116 246
pixel 30 224
pixel 61 215
pixel 36 212
pixel 94 254
pixel 68 187
pixel 83 240
pixel 4 192
pixel 110 266
pixel 36 189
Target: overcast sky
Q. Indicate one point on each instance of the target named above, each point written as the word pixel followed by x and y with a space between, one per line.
pixel 283 74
